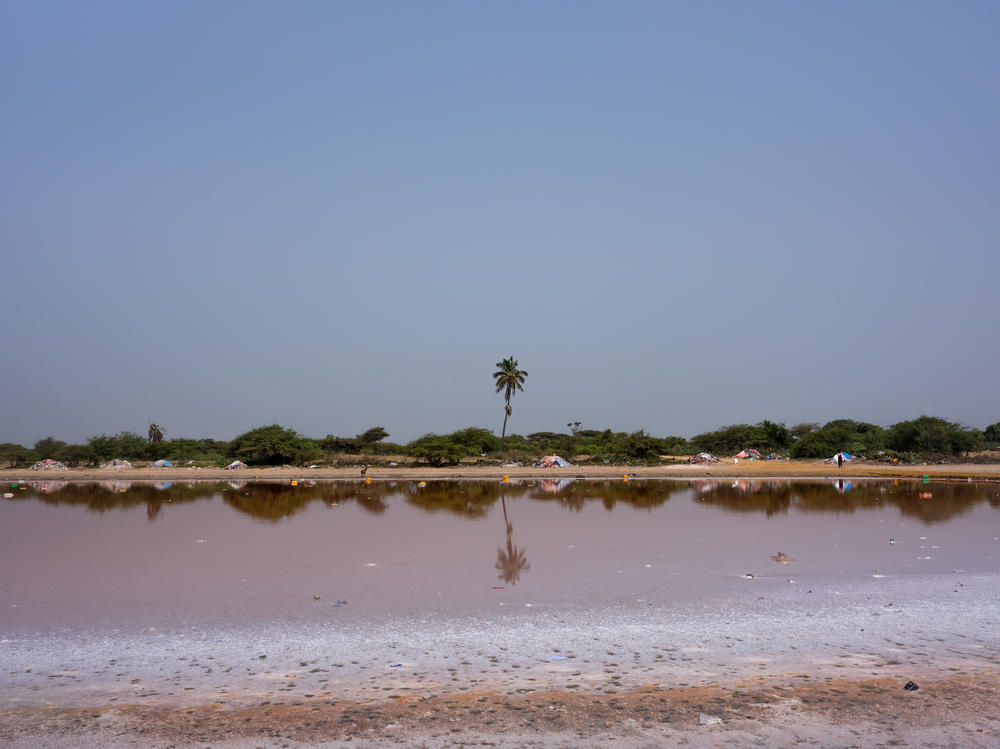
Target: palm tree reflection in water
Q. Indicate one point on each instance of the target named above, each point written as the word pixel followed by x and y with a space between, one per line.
pixel 511 561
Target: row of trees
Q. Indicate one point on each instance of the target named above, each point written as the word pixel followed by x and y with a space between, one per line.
pixel 926 436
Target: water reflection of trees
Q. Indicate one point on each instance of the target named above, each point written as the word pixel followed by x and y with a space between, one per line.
pixel 946 500
pixel 274 501
pixel 637 494
pixel 471 499
pixel 263 500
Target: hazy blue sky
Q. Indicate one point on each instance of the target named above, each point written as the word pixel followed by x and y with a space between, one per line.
pixel 332 215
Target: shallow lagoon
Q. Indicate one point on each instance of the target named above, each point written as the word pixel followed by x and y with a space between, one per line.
pixel 123 592
pixel 157 554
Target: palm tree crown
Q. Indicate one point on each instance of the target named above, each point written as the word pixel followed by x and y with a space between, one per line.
pixel 510 379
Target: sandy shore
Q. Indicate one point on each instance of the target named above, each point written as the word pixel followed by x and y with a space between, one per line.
pixel 743 469
pixel 953 711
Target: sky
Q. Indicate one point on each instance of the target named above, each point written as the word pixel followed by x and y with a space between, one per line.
pixel 336 215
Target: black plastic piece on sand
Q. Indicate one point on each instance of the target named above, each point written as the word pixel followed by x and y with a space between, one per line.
pixel 911 686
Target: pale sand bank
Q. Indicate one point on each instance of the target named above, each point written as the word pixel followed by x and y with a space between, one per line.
pixel 743 469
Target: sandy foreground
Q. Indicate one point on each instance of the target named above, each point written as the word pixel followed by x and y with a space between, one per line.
pixel 762 663
pixel 743 469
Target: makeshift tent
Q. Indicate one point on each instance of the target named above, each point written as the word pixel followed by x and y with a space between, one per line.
pixel 161 464
pixel 552 461
pixel 750 454
pixel 847 457
pixel 234 465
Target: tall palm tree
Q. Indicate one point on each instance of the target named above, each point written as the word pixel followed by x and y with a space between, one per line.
pixel 510 379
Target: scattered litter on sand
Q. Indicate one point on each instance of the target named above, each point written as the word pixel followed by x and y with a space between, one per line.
pixel 552 461
pixel 703 458
pixel 116 464
pixel 49 465
pixel 782 557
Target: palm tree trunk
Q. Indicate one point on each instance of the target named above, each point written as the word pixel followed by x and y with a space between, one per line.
pixel 503 433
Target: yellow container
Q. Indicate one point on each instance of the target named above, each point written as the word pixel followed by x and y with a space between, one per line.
pixel 294 482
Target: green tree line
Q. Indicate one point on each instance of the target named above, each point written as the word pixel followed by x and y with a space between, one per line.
pixel 921 438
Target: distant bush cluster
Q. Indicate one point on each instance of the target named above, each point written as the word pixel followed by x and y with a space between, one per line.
pixel 924 438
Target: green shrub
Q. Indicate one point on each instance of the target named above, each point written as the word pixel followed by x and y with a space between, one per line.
pixel 436 449
pixel 933 435
pixel 270 445
pixel 13 454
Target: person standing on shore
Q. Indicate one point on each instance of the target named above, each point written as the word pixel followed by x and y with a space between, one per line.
pixel 840 459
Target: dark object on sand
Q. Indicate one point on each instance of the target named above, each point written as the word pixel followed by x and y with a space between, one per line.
pixel 911 686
